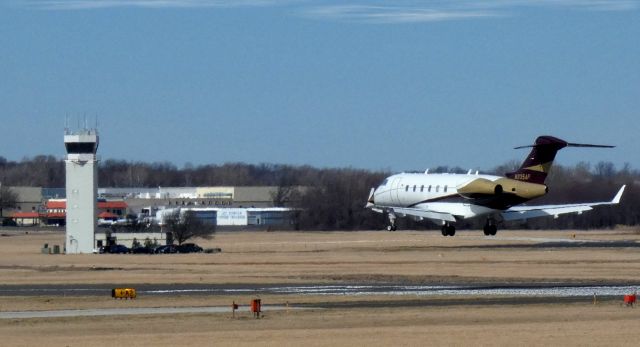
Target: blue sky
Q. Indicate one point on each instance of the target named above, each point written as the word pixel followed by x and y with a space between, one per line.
pixel 382 84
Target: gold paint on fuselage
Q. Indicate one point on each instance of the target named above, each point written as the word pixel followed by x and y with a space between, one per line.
pixel 546 167
pixel 485 187
pixel 525 190
pixel 479 186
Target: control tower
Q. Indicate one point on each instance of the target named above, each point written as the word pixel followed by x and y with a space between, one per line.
pixel 82 189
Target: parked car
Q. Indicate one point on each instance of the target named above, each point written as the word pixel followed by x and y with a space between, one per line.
pixel 189 248
pixel 118 249
pixel 142 250
pixel 9 223
pixel 166 249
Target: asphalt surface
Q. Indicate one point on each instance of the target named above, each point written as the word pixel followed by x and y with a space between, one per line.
pixel 347 289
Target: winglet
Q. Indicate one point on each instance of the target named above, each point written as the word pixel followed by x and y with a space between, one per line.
pixel 616 199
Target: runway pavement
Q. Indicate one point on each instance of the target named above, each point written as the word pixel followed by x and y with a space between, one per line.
pixel 393 289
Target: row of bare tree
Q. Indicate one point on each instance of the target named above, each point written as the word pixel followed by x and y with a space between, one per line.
pixel 334 198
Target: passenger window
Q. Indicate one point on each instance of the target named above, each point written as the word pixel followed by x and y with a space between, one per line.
pixel 422 188
pixel 445 189
pixel 437 188
pixel 414 188
pixel 406 188
pixel 429 188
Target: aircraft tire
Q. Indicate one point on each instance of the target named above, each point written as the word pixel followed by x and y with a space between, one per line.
pixel 448 230
pixel 490 230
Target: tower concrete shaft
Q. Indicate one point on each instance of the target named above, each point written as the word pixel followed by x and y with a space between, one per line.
pixel 82 189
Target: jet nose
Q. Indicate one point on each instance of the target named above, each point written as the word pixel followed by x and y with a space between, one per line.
pixel 370 201
pixel 371 195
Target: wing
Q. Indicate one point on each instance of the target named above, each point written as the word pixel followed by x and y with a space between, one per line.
pixel 526 212
pixel 422 214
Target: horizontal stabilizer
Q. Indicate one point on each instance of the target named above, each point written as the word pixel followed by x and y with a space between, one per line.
pixel 588 145
pixel 561 143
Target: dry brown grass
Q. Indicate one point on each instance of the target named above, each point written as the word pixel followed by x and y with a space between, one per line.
pixel 570 325
pixel 284 257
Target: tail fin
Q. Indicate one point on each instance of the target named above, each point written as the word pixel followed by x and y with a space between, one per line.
pixel 538 163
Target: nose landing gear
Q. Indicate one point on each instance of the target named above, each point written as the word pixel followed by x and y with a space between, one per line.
pixel 392 222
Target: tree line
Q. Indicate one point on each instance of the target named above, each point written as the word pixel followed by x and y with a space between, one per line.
pixel 334 198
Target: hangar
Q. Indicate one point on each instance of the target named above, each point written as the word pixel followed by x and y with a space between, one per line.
pixel 226 206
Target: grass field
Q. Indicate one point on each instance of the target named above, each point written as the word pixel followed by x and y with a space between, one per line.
pixel 596 257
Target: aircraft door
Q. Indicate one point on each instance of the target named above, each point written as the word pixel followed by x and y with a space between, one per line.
pixel 392 187
pixel 395 187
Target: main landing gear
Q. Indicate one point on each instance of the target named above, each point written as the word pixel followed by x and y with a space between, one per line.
pixel 490 228
pixel 392 222
pixel 448 230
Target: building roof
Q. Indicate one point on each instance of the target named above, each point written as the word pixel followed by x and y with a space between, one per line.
pixel 28 194
pixel 62 204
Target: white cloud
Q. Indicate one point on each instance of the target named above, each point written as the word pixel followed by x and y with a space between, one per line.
pixel 100 4
pixel 394 14
pixel 602 5
pixel 365 11
pixel 407 11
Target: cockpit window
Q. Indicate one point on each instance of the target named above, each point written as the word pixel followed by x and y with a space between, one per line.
pixel 384 183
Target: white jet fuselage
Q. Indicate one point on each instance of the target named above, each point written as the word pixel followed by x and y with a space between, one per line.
pixel 433 192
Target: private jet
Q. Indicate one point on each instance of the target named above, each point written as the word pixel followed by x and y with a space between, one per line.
pixel 449 198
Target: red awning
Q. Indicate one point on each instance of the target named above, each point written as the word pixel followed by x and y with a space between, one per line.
pixel 56 204
pixel 25 215
pixel 56 215
pixel 112 204
pixel 107 215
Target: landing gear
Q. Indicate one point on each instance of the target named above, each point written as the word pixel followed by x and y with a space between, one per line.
pixel 392 222
pixel 448 230
pixel 490 228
